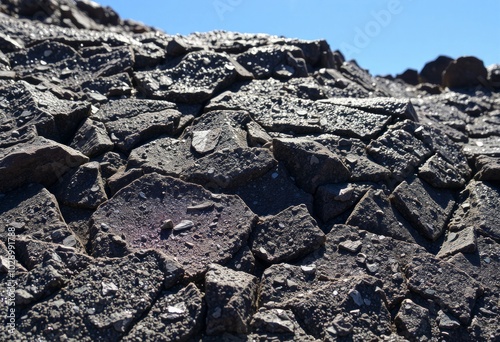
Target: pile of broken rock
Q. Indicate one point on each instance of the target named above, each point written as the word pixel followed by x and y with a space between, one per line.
pixel 239 187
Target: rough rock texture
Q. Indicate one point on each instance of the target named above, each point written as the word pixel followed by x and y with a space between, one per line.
pixel 224 186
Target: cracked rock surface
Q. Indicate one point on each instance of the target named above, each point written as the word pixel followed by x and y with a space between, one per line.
pixel 224 186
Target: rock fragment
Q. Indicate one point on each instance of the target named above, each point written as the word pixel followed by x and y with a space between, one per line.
pixel 39 161
pixel 412 321
pixel 177 315
pixel 452 289
pixel 427 209
pixel 310 163
pixel 290 234
pixel 83 188
pixel 215 234
pixel 230 168
pixel 231 300
pixel 92 139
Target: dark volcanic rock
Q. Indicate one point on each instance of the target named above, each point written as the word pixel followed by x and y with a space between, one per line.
pixel 410 198
pixel 134 163
pixel 230 168
pixel 39 161
pixel 175 316
pixel 479 209
pixel 287 236
pixel 433 71
pixel 464 72
pixel 194 80
pixel 310 163
pixel 32 210
pixel 182 219
pixel 83 188
pixel 103 301
pixel 231 300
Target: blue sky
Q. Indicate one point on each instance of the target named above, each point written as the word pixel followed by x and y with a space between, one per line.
pixel 384 36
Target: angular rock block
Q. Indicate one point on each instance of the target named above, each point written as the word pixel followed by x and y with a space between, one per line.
pixel 181 219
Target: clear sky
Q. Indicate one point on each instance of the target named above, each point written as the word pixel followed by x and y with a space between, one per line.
pixel 384 36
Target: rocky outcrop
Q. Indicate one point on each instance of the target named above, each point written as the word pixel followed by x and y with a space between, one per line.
pixel 231 186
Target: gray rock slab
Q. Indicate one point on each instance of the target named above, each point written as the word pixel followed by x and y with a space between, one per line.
pixel 102 302
pixel 34 211
pixel 175 316
pixel 291 234
pixel 379 105
pixel 230 168
pixel 231 299
pixel 375 213
pixel 310 163
pixel 426 208
pixel 412 320
pixel 204 228
pixel 272 193
pixel 479 209
pixel 167 156
pixel 452 289
pixel 194 80
pixel 332 200
pixel 38 161
pixel 129 132
pixel 488 168
pixel 92 139
pixel 82 188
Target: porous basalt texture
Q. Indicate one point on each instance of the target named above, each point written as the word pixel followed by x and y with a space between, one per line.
pixel 225 186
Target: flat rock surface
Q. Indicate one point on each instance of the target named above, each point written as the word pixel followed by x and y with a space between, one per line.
pixel 290 234
pixel 180 218
pixel 225 186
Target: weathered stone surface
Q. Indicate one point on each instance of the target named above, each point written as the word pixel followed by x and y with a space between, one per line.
pixel 464 72
pixel 92 139
pixel 54 118
pixel 488 168
pixel 231 300
pixel 128 108
pixel 433 71
pixel 167 156
pixel 483 146
pixel 452 289
pixel 479 210
pixel 374 213
pixel 399 151
pixel 440 173
pixel 39 161
pixel 412 321
pixel 379 105
pixel 194 80
pixel 278 323
pixel 303 116
pixel 332 200
pixel 356 159
pixel 83 188
pixel 102 302
pixel 230 168
pixel 32 210
pixel 375 255
pixel 206 228
pixel 287 236
pixel 272 193
pixel 175 316
pixel 129 132
pixel 426 208
pixel 327 309
pixel 267 61
pixel 462 241
pixel 310 163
